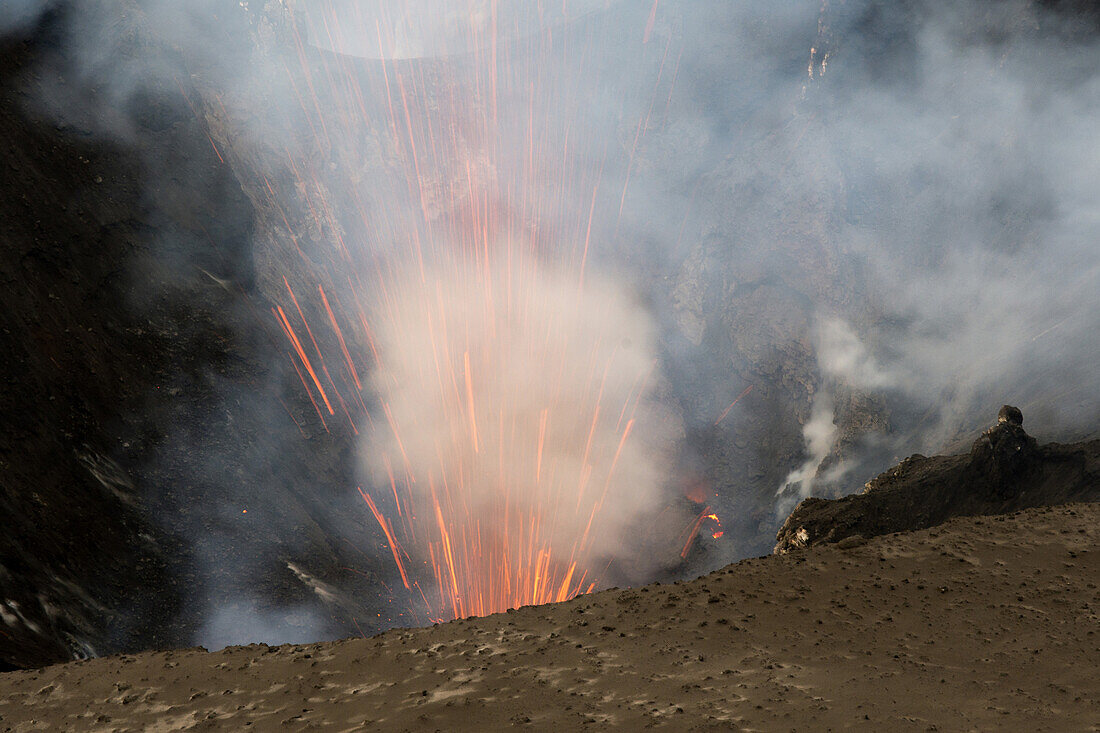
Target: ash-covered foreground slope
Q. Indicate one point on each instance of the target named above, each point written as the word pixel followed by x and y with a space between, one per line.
pixel 1006 470
pixel 982 623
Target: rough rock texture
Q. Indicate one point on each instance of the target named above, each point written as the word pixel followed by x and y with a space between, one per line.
pixel 1005 471
pixel 132 344
pixel 986 623
pixel 80 559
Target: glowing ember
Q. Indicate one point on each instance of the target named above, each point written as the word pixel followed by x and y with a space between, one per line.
pixel 688 537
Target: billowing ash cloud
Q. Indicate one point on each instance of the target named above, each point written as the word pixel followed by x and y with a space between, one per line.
pixel 902 192
pixel 970 167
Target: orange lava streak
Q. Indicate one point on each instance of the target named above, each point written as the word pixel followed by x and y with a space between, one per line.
pixel 470 401
pixel 487 522
pixel 650 22
pixel 727 410
pixel 309 331
pixel 693 529
pixel 394 547
pixel 619 450
pixel 543 416
pixel 340 335
pixel 588 231
pixel 289 330
pixel 312 401
pixel 692 532
pixel 455 593
pixel 397 437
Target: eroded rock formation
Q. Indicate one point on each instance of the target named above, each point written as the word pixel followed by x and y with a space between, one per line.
pixel 1006 470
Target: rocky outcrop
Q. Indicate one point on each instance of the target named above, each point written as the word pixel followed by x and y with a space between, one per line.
pixel 1005 471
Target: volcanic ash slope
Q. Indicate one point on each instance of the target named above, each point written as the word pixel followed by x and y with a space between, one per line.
pixel 980 623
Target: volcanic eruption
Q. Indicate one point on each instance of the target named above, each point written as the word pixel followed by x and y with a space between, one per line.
pixel 504 386
pixel 347 314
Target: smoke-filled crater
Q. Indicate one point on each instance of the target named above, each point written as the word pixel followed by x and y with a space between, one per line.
pixel 344 315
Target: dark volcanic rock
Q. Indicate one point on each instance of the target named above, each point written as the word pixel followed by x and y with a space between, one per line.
pixel 82 567
pixel 150 474
pixel 1005 455
pixel 1005 471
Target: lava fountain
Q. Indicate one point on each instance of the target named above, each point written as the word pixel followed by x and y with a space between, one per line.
pixel 519 429
pixel 513 437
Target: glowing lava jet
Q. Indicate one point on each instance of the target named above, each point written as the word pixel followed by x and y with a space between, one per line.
pixel 514 439
pixel 511 414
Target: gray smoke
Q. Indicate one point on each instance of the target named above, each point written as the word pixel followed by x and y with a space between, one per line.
pixel 16 16
pixel 902 190
pixel 855 203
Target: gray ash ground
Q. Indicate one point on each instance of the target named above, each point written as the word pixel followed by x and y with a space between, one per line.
pixel 982 623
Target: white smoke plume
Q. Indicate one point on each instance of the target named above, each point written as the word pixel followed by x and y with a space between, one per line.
pixel 844 362
pixel 818 434
pixel 844 359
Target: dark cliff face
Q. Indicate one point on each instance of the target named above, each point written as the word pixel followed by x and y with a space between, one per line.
pixel 79 552
pixel 1004 472
pixel 133 338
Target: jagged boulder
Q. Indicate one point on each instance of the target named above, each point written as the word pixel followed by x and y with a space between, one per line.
pixel 1005 454
pixel 1006 470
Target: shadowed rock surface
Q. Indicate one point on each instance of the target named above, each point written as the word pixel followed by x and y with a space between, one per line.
pixel 131 338
pixel 1005 471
